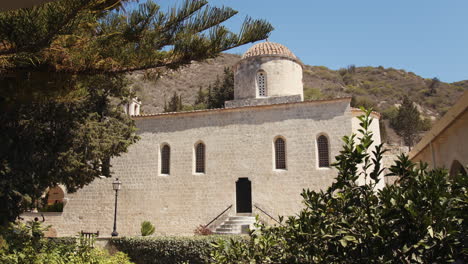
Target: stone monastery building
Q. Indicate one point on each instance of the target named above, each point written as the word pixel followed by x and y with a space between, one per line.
pixel 253 157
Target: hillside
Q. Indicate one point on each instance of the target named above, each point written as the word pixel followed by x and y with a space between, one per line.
pixel 383 86
pixel 379 87
pixel 186 82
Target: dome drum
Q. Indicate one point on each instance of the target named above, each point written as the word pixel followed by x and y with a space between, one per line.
pixel 268 70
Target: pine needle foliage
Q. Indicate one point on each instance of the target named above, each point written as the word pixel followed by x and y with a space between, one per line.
pixel 95 36
pixel 63 84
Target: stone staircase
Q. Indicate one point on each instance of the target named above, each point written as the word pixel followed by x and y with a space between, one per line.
pixel 239 224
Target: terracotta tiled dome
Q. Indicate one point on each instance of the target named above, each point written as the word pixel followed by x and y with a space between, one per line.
pixel 269 48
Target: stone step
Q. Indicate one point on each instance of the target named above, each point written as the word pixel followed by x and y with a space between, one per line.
pixel 226 233
pixel 226 229
pixel 242 217
pixel 244 214
pixel 239 224
pixel 229 222
pixel 226 225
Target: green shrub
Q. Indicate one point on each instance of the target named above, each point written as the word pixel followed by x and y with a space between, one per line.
pixel 25 244
pixel 147 229
pixel 62 241
pixel 170 250
pixel 56 207
pixel 390 112
pixel 312 94
pixel 349 80
pixel 422 219
pixel 355 90
pixel 363 101
pixel 326 74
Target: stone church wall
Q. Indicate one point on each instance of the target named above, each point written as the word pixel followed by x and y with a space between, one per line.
pixel 239 143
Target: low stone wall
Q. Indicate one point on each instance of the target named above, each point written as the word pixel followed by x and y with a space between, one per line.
pixel 105 243
pixel 52 219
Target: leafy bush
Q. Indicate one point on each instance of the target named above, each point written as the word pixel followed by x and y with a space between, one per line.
pixel 351 69
pixel 355 90
pixel 363 101
pixel 312 93
pixel 56 207
pixel 62 241
pixel 147 229
pixel 25 244
pixel 170 250
pixel 422 219
pixel 390 112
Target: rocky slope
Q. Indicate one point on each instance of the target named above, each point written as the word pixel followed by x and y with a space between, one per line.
pixel 382 87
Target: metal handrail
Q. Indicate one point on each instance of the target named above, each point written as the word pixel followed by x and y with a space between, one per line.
pixel 216 218
pixel 267 214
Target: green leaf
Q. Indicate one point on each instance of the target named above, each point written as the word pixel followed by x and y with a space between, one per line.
pixel 430 231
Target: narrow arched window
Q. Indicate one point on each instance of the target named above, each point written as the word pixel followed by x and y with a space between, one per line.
pixel 200 158
pixel 323 153
pixel 166 159
pixel 261 84
pixel 457 169
pixel 280 154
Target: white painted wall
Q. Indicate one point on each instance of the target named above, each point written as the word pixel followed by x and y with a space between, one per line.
pixel 284 77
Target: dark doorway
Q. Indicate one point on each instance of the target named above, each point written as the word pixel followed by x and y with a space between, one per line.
pixel 244 195
pixel 457 169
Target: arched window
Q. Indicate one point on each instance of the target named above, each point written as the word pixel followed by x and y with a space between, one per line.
pixel 166 159
pixel 456 169
pixel 280 154
pixel 261 83
pixel 323 152
pixel 200 158
pixel 54 200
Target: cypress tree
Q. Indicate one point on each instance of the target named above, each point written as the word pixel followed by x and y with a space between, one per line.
pixel 407 123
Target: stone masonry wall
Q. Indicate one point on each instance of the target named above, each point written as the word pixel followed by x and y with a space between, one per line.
pixel 239 143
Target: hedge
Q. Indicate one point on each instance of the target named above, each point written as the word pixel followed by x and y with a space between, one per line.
pixel 69 241
pixel 169 250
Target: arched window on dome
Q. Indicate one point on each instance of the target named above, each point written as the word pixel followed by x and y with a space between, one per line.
pixel 280 154
pixel 261 84
pixel 166 159
pixel 323 152
pixel 200 158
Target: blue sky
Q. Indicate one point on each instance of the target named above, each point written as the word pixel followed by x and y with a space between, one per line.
pixel 428 37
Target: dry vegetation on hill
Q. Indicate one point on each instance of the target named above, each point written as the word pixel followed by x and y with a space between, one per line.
pixel 380 87
pixel 185 82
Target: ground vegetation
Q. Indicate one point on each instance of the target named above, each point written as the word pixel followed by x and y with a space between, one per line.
pixel 24 243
